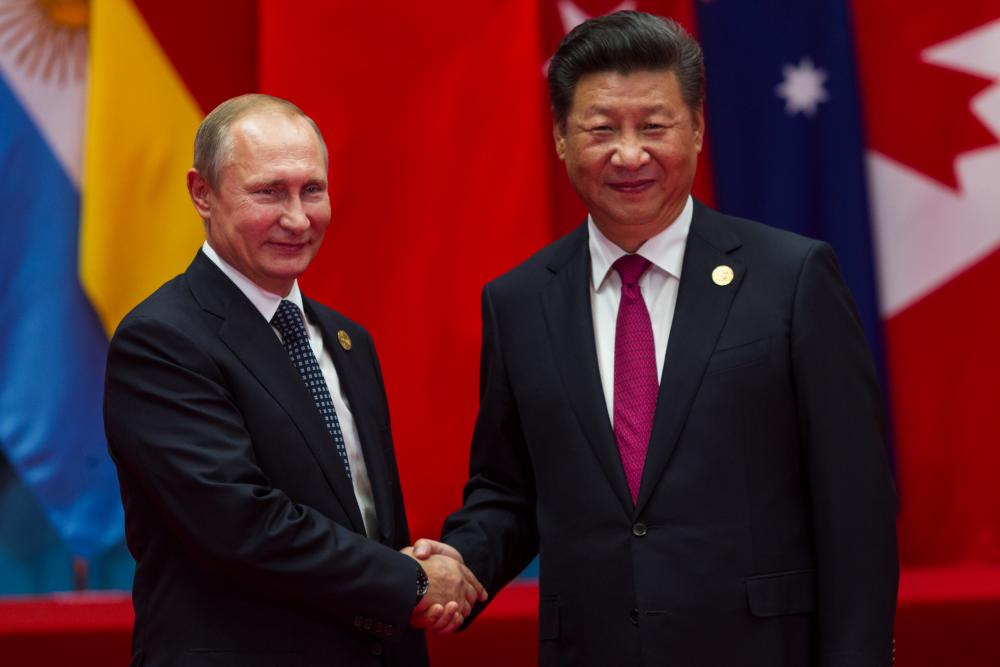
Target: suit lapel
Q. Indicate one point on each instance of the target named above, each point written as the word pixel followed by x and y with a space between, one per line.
pixel 353 369
pixel 253 341
pixel 566 303
pixel 700 313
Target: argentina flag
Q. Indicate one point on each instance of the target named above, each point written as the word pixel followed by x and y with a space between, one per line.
pixel 58 493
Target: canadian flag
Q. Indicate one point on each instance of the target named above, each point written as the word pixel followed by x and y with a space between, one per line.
pixel 930 76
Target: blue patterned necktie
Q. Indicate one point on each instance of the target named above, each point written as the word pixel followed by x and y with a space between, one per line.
pixel 288 322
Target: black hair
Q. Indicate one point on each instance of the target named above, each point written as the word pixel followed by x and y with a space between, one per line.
pixel 625 42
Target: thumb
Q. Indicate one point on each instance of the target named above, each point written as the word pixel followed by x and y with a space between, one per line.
pixel 423 549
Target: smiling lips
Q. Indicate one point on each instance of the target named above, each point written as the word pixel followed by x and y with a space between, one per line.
pixel 288 248
pixel 632 187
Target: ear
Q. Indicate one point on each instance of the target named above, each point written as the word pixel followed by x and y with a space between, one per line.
pixel 199 189
pixel 559 135
pixel 698 122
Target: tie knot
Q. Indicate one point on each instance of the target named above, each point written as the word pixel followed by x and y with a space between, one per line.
pixel 288 319
pixel 631 268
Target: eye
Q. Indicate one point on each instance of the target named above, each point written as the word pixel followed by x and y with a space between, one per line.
pixel 653 127
pixel 600 129
pixel 267 191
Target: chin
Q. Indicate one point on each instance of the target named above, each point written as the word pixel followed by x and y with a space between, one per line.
pixel 288 271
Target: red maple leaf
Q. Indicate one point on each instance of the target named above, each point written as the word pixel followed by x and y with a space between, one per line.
pixel 916 112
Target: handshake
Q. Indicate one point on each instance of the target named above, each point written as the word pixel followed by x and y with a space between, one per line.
pixel 452 589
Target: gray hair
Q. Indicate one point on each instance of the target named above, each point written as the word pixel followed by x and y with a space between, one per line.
pixel 213 142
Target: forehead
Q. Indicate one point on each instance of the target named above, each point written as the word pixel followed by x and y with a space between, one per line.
pixel 614 91
pixel 261 138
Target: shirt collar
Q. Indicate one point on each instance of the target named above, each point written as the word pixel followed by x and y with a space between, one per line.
pixel 665 250
pixel 265 302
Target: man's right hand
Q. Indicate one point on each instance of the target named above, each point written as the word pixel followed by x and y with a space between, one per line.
pixel 452 591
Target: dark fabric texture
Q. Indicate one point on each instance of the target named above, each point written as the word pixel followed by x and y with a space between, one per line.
pixel 248 540
pixel 764 530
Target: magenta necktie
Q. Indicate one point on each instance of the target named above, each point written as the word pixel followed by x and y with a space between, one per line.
pixel 636 384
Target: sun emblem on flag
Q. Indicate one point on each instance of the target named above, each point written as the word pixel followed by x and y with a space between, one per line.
pixel 49 37
pixel 802 88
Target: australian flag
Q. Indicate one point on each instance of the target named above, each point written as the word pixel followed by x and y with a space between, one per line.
pixel 786 129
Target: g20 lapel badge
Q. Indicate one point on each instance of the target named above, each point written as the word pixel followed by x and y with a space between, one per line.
pixel 345 340
pixel 722 275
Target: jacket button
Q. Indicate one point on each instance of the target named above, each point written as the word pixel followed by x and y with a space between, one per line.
pixel 639 529
pixel 376 649
pixel 634 616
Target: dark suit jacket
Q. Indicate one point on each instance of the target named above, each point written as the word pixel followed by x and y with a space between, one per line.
pixel 764 530
pixel 249 544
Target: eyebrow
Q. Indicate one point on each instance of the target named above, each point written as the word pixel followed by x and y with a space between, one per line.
pixel 607 111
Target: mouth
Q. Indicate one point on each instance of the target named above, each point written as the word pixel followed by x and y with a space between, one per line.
pixel 635 186
pixel 288 248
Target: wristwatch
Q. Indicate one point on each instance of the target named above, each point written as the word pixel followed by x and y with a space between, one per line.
pixel 422 583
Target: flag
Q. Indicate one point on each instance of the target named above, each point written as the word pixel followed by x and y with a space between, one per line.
pixel 438 180
pixel 71 270
pixel 930 81
pixel 52 346
pixel 867 125
pixel 874 126
pixel 156 70
pixel 785 122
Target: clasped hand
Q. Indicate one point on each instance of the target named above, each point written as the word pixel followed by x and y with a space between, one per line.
pixel 452 589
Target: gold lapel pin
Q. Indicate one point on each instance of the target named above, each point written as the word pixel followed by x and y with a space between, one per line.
pixel 722 275
pixel 345 340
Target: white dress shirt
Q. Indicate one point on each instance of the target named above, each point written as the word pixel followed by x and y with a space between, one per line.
pixel 267 303
pixel 658 286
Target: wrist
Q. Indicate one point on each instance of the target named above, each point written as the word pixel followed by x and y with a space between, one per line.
pixel 423 583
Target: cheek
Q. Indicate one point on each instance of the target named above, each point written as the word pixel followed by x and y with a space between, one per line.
pixel 587 164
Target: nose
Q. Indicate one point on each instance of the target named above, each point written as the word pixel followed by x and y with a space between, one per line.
pixel 294 216
pixel 630 153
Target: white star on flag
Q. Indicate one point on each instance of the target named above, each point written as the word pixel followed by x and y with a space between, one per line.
pixel 802 88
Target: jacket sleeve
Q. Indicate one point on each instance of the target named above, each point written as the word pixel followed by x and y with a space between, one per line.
pixel 495 531
pixel 179 440
pixel 851 490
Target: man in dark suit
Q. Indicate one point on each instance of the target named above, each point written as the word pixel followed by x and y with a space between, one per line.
pixel 678 410
pixel 250 429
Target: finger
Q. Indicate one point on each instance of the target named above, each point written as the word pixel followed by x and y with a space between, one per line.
pixel 425 547
pixel 419 619
pixel 446 618
pixel 442 624
pixel 421 549
pixel 470 595
pixel 455 624
pixel 480 592
pixel 433 615
pixel 445 624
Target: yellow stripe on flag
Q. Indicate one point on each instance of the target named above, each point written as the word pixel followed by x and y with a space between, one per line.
pixel 138 226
